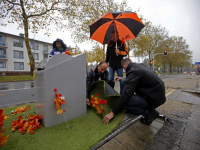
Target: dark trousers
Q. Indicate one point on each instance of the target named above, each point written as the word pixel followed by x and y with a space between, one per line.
pixel 111 83
pixel 137 104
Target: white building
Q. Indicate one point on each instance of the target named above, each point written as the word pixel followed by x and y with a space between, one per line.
pixel 13 53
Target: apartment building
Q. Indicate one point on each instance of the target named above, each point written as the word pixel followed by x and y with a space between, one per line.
pixel 13 53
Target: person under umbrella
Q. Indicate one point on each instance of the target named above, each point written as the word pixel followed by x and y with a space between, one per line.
pixel 116 50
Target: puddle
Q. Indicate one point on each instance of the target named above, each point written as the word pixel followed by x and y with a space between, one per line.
pixel 17 85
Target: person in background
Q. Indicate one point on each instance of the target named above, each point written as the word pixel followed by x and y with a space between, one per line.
pixel 98 73
pixel 59 47
pixel 115 55
pixel 143 92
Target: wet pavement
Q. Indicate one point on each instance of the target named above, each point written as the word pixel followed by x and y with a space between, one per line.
pixel 16 85
pixel 184 110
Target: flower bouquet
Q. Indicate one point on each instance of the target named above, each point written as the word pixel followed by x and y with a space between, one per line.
pixel 3 139
pixel 98 104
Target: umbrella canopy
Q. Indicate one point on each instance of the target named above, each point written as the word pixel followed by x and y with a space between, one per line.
pixel 127 24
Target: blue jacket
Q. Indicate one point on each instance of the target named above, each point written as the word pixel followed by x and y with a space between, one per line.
pixel 55 51
pixel 93 76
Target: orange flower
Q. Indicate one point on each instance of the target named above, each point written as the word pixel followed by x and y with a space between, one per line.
pixel 97 103
pixel 19 110
pixel 3 139
pixel 29 125
pixel 67 52
pixel 59 101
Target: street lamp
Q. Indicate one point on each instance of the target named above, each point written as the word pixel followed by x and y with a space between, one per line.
pixel 34 45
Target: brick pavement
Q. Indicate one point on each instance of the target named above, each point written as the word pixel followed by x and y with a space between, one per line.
pixel 183 107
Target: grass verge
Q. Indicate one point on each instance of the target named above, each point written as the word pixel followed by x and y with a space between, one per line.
pixel 15 78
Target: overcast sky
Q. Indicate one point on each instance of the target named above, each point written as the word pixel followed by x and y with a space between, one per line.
pixel 179 17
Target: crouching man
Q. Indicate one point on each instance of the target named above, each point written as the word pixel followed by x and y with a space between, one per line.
pixel 143 92
pixel 98 73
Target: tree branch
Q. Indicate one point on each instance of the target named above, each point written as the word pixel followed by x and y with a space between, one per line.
pixel 42 13
pixel 12 3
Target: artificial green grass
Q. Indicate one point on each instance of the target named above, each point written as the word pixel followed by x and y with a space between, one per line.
pixel 85 132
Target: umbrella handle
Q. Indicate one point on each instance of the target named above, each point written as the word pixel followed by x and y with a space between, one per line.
pixel 116 48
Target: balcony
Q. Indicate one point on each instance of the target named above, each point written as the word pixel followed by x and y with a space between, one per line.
pixel 3 57
pixel 3 44
pixel 45 51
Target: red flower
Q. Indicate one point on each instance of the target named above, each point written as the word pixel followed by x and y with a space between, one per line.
pixel 55 89
pixel 29 106
pixel 31 132
pixel 102 102
pixel 97 95
pixel 60 95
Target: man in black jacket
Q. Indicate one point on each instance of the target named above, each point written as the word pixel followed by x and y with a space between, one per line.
pixel 115 55
pixel 143 92
pixel 98 73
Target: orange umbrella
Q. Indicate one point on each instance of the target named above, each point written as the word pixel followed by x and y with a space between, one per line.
pixel 127 24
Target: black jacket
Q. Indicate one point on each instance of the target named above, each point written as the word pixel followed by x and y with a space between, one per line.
pixel 93 76
pixel 111 57
pixel 143 81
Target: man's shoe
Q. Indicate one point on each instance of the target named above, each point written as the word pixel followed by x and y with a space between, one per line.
pixel 150 117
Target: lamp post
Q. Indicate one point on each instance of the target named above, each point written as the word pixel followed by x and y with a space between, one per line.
pixel 34 45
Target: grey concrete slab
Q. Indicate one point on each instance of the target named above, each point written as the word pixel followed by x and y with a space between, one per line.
pixel 114 144
pixel 187 145
pixel 157 124
pixel 147 131
pixel 168 138
pixel 132 140
pixel 192 131
pixel 196 110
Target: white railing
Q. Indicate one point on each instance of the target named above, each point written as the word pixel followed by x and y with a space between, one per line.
pixel 3 44
pixel 45 50
pixel 3 57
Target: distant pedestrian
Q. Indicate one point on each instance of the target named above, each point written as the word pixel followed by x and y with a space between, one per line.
pixel 143 92
pixel 115 55
pixel 59 47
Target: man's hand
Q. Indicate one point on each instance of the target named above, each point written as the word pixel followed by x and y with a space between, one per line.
pixel 118 78
pixel 108 117
pixel 117 51
pixel 88 102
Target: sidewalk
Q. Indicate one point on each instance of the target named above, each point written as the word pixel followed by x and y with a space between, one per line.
pixel 184 110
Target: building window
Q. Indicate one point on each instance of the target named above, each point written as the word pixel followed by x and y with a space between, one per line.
pixel 18 66
pixel 2 53
pixel 36 56
pixel 45 48
pixel 18 54
pixel 2 64
pixel 17 43
pixel 2 40
pixel 34 45
pixel 45 56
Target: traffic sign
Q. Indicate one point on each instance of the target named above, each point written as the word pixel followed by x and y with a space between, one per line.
pixel 197 63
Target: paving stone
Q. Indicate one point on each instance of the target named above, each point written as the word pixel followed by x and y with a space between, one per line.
pixel 192 131
pixel 168 137
pixel 187 145
pixel 143 129
pixel 196 110
pixel 113 144
pixel 132 140
pixel 160 120
pixel 157 125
